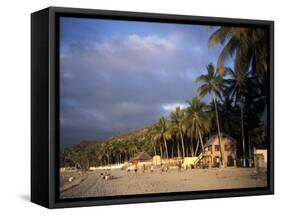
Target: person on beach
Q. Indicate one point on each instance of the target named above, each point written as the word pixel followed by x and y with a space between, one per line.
pixel 179 167
pixel 143 168
pixel 136 169
pixel 151 168
pixel 162 168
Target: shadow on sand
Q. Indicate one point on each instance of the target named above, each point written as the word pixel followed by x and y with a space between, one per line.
pixel 25 197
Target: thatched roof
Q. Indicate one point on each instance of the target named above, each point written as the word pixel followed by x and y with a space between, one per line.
pixel 212 138
pixel 141 156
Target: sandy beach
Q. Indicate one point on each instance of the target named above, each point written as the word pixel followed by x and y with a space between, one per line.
pixel 124 183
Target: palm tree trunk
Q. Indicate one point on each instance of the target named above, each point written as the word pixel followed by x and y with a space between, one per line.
pixel 201 140
pixel 182 145
pixel 178 147
pixel 250 150
pixel 243 136
pixel 219 131
pixel 161 151
pixel 197 146
pixel 191 148
pixel 154 148
pixel 166 147
pixel 107 159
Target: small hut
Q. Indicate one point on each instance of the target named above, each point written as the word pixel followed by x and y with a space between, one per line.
pixel 156 160
pixel 141 160
pixel 140 157
pixel 260 158
pixel 212 151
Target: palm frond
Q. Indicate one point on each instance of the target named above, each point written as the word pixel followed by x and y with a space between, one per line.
pixel 220 36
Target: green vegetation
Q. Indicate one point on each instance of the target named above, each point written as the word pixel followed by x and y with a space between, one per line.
pixel 239 97
pixel 212 84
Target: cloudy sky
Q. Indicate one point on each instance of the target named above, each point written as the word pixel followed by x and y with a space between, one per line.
pixel 116 76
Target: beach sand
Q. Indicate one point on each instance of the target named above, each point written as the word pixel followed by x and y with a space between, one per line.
pixel 124 183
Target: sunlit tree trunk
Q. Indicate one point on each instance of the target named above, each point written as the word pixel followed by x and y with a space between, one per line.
pixel 197 146
pixel 167 155
pixel 191 148
pixel 201 141
pixel 161 151
pixel 178 148
pixel 219 131
pixel 182 145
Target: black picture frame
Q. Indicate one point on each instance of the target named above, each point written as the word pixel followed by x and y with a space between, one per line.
pixel 45 102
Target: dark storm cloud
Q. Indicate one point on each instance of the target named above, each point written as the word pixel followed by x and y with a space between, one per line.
pixel 118 84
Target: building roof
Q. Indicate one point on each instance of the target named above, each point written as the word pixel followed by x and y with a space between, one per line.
pixel 212 138
pixel 141 156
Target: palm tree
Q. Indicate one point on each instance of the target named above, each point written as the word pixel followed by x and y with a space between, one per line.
pixel 212 84
pixel 101 154
pixel 259 135
pixel 237 87
pixel 108 151
pixel 131 148
pixel 162 132
pixel 248 46
pixel 121 150
pixel 177 138
pixel 199 118
pixel 178 124
pixel 151 142
pixel 229 115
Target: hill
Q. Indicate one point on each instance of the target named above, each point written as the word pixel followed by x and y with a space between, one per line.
pixel 137 134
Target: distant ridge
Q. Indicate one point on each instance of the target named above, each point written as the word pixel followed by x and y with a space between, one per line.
pixel 136 134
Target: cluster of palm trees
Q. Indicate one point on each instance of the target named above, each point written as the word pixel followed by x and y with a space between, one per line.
pixel 116 152
pixel 238 98
pixel 100 154
pixel 247 83
pixel 186 128
pixel 179 132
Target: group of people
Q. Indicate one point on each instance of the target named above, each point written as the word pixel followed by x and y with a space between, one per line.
pixel 135 168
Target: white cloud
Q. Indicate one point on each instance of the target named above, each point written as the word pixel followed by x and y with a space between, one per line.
pixel 172 106
pixel 151 43
pixel 151 53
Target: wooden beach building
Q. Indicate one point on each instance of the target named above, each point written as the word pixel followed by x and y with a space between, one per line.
pixel 211 156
